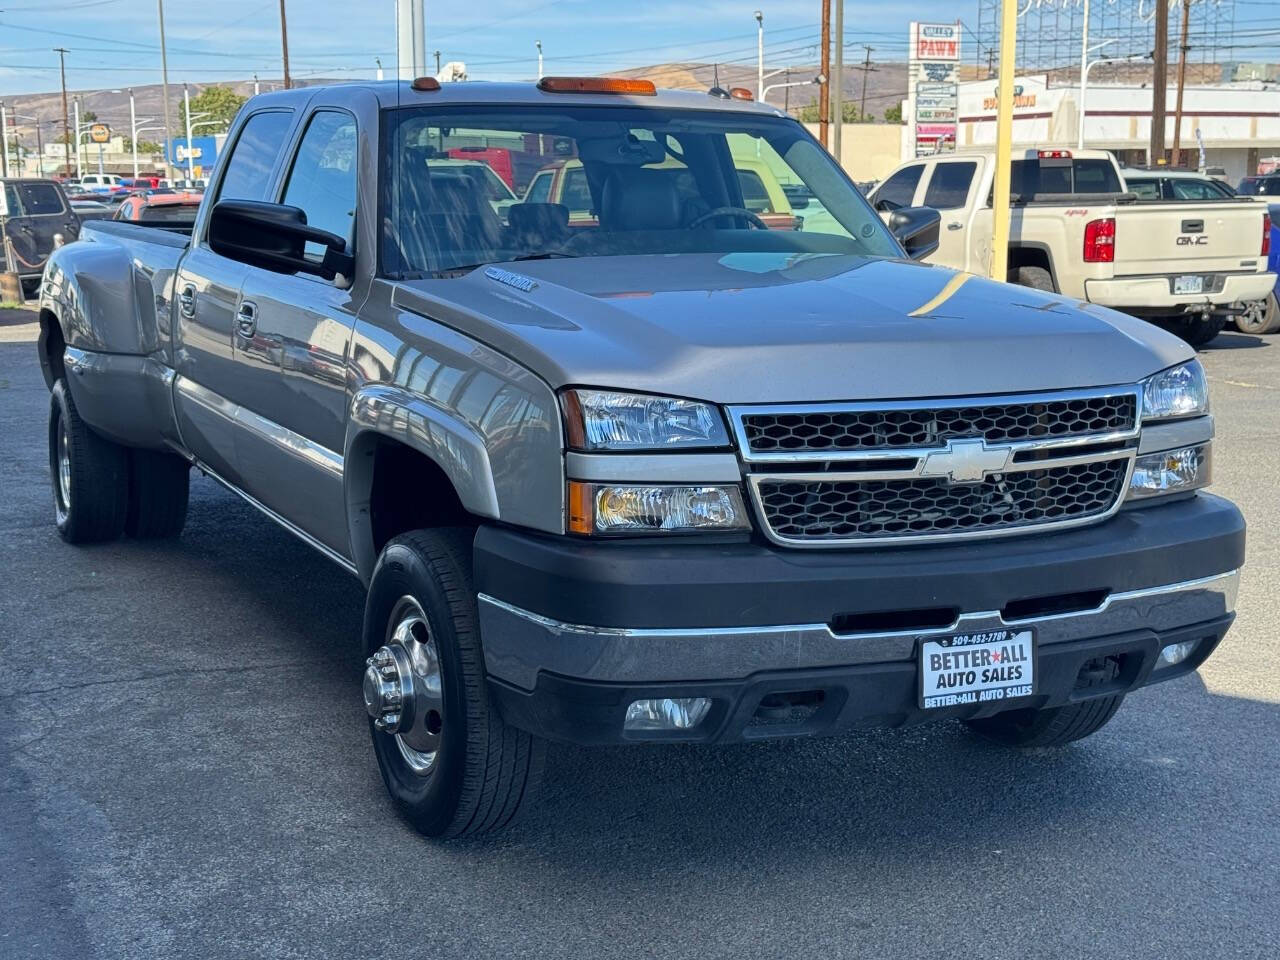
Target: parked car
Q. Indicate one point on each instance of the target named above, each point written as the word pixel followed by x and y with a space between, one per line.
pixel 673 477
pixel 1262 317
pixel 86 209
pixel 1166 184
pixel 104 183
pixel 170 210
pixel 1184 264
pixel 1266 185
pixel 37 218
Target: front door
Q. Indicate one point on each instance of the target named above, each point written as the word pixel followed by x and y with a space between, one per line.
pixel 947 191
pixel 37 214
pixel 293 334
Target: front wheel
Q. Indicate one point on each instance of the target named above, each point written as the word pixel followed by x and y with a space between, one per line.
pixel 451 764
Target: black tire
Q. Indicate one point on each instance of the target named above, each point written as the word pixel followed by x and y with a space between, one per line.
pixel 1194 330
pixel 1261 317
pixel 159 485
pixel 1054 726
pixel 1038 278
pixel 484 771
pixel 95 502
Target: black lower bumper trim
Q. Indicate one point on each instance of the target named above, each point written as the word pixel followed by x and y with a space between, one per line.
pixel 691 584
pixel 834 699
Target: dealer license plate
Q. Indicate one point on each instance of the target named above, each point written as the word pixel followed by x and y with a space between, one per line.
pixel 1188 284
pixel 977 668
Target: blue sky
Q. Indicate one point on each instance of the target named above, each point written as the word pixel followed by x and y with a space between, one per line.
pixel 114 43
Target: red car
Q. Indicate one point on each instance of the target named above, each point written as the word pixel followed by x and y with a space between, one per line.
pixel 161 209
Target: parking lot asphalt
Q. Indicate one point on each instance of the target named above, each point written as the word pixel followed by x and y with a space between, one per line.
pixel 185 772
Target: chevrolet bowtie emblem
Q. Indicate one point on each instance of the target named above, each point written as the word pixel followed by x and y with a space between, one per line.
pixel 966 461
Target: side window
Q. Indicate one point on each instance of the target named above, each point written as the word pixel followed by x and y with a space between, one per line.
pixel 575 194
pixel 323 179
pixel 261 139
pixel 899 189
pixel 11 200
pixel 40 199
pixel 1144 189
pixel 949 185
pixel 754 195
pixel 540 189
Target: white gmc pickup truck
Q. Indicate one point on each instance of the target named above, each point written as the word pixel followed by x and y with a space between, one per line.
pixel 1185 264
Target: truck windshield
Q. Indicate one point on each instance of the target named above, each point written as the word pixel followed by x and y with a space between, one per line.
pixel 608 181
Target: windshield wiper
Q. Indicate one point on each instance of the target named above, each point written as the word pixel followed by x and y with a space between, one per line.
pixel 468 267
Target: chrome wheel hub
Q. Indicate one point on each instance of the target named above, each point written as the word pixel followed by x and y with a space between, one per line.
pixel 64 466
pixel 402 686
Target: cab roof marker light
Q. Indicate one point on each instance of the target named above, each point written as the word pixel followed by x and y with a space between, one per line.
pixel 613 85
pixel 741 93
pixel 425 84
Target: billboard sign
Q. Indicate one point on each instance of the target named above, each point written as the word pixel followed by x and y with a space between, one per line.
pixel 100 133
pixel 934 93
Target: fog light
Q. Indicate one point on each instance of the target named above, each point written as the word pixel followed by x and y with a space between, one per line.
pixel 678 713
pixel 1175 653
pixel 1174 471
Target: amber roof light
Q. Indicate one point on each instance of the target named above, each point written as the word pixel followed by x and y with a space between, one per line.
pixel 425 84
pixel 617 85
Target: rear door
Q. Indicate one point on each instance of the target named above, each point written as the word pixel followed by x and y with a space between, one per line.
pixel 1182 237
pixel 45 214
pixel 291 342
pixel 210 383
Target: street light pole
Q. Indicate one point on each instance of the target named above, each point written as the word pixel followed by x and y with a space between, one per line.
pixel 1084 83
pixel 538 42
pixel 79 171
pixel 837 92
pixel 377 60
pixel 164 83
pixel 794 83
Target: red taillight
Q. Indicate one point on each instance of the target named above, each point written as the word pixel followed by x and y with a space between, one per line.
pixel 1266 234
pixel 1055 154
pixel 1100 240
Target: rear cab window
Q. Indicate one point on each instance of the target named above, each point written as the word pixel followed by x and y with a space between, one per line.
pixel 254 156
pixel 1060 176
pixel 41 199
pixel 949 186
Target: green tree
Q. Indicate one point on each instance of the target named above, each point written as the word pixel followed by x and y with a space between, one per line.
pixel 850 112
pixel 893 114
pixel 88 116
pixel 220 104
pixel 144 146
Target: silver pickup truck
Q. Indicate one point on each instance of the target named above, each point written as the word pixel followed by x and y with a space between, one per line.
pixel 660 474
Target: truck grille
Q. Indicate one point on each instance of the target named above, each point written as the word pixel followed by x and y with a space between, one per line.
pixel 834 430
pixel 847 509
pixel 885 473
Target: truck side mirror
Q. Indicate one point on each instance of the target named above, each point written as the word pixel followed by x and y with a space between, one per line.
pixel 274 236
pixel 916 228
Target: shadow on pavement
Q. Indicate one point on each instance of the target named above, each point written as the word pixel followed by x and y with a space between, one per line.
pixel 1229 340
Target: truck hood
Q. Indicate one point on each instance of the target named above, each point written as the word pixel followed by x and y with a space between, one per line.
pixel 768 327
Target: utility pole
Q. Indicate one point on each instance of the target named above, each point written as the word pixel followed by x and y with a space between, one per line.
pixel 4 134
pixel 257 86
pixel 991 62
pixel 837 105
pixel 866 69
pixel 1183 50
pixel 824 97
pixel 759 15
pixel 133 132
pixel 164 85
pixel 1004 142
pixel 1159 83
pixel 538 42
pixel 284 44
pixel 539 61
pixel 66 132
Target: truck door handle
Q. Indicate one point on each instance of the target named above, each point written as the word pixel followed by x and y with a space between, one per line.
pixel 247 319
pixel 187 301
pixel 955 225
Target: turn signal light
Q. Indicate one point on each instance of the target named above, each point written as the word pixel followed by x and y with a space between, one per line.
pixel 1266 234
pixel 1100 240
pixel 617 85
pixel 425 84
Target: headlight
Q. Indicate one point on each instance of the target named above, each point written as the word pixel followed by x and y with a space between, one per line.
pixel 628 509
pixel 607 420
pixel 1174 471
pixel 1180 391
